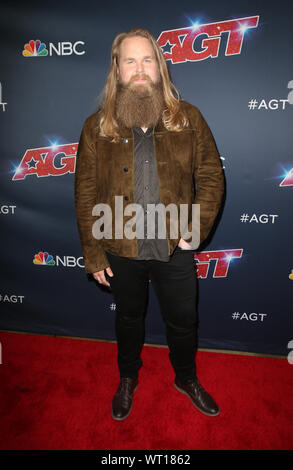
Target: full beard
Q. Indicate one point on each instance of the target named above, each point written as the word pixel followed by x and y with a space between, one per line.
pixel 139 105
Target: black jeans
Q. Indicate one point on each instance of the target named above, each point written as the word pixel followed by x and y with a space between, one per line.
pixel 175 285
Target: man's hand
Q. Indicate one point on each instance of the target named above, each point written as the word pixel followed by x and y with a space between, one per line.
pixel 100 276
pixel 184 245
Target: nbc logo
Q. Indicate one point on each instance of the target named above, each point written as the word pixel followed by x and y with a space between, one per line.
pixel 43 258
pixel 35 49
pixel 38 49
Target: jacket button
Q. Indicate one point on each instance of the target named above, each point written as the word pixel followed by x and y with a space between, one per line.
pixel 125 169
pixel 126 198
pixel 125 141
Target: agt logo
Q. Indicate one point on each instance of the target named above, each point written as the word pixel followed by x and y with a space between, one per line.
pixel 221 259
pixel 13 298
pixel 5 209
pixel 55 160
pixel 39 49
pixel 288 180
pixel 201 41
pixel 43 258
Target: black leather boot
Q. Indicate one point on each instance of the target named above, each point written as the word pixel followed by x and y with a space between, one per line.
pixel 198 396
pixel 122 401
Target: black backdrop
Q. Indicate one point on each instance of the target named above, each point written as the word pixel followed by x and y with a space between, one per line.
pixel 238 72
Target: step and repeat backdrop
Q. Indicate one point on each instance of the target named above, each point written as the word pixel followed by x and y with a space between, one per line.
pixel 235 64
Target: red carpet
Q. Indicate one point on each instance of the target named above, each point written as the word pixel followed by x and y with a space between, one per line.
pixel 56 393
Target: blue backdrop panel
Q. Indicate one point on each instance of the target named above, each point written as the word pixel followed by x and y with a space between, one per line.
pixel 232 62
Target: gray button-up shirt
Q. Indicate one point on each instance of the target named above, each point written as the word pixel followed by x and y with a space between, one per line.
pixel 146 191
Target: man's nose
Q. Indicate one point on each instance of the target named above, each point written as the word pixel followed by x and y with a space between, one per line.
pixel 139 67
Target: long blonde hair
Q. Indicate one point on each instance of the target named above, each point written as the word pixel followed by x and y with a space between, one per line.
pixel 173 117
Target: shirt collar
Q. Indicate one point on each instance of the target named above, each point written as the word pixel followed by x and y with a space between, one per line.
pixel 139 131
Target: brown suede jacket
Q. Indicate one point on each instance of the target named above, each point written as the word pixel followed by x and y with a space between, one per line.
pixel 105 170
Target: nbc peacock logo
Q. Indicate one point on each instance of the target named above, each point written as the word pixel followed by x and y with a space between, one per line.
pixel 35 49
pixel 44 259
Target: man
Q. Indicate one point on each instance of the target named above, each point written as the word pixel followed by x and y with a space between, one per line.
pixel 148 147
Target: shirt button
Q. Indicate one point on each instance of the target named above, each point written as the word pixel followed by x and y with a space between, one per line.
pixel 146 161
pixel 125 141
pixel 146 187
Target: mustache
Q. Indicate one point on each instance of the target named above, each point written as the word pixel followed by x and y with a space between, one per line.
pixel 140 76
